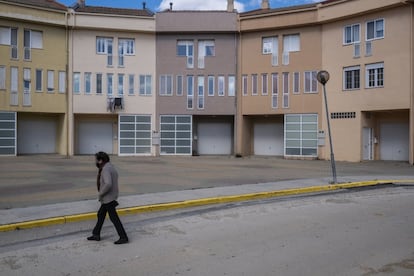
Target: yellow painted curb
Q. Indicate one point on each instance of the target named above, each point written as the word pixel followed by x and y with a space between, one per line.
pixel 197 202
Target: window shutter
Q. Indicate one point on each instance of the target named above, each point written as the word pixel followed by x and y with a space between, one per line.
pixel 37 39
pixel 5 36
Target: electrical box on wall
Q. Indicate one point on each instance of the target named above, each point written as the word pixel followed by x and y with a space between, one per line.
pixel 321 138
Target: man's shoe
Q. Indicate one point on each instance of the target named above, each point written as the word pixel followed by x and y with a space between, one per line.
pixel 94 238
pixel 121 241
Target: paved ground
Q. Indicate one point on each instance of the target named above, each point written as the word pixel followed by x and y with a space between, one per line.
pixel 47 179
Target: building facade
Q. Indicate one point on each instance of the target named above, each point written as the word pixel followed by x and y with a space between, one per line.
pixel 366 46
pixel 280 98
pixel 76 80
pixel 33 71
pixel 112 83
pixel 196 74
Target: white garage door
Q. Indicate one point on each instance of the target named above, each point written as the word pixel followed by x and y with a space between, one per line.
pixel 214 138
pixel 394 141
pixel 268 139
pixel 36 136
pixel 94 137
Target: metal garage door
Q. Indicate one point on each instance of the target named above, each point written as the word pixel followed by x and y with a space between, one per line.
pixel 176 134
pixel 36 136
pixel 394 141
pixel 214 138
pixel 94 137
pixel 268 139
pixel 134 134
pixel 7 133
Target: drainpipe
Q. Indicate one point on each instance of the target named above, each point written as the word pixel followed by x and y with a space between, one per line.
pixel 67 82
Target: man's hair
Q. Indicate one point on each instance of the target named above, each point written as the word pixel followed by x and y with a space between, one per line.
pixel 102 156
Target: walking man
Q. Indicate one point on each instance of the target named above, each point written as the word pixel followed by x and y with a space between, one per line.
pixel 107 184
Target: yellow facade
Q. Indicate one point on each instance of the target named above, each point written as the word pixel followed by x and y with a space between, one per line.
pixel 35 64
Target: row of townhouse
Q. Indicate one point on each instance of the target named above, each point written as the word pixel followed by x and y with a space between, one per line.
pixel 130 82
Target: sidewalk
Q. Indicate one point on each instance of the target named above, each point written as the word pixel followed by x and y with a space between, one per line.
pixel 28 217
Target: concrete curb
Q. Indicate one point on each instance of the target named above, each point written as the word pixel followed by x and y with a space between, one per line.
pixel 196 202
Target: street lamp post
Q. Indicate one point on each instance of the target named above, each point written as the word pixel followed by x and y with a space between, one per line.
pixel 323 77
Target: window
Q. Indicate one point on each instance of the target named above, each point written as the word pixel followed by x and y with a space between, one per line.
pixel 374 76
pixel 26 80
pixel 296 82
pixel 375 29
pixel 5 36
pixel 254 84
pixel 275 89
pixel 62 81
pixel 39 80
pixel 311 83
pixel 232 86
pixel 206 48
pixel 76 82
pixel 264 84
pixel 179 83
pixel 200 89
pixel 291 43
pixel 185 48
pixel 87 80
pixel 126 47
pixel 14 96
pixel 103 45
pixel 211 81
pixel 2 77
pixel 14 54
pixel 270 46
pixel 14 73
pixel 26 45
pixel 351 34
pixel 244 85
pixel 145 87
pixel 166 85
pixel 120 84
pixel 221 86
pixel 50 81
pixel 26 87
pixel 131 83
pixel 285 90
pixel 190 91
pixel 33 39
pixel 357 50
pixel 351 78
pixel 99 83
pixel 110 84
pixel 8 36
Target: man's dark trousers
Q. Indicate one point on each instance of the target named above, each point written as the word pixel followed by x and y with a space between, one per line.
pixel 110 209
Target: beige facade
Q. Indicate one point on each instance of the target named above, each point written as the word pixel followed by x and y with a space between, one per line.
pixel 112 59
pixel 388 102
pixel 33 66
pixel 366 46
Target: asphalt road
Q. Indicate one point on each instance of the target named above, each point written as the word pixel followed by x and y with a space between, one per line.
pixel 46 179
pixel 368 232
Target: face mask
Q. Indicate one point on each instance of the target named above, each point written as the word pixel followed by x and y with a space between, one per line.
pixel 98 165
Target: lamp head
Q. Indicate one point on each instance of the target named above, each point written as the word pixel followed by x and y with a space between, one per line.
pixel 323 77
